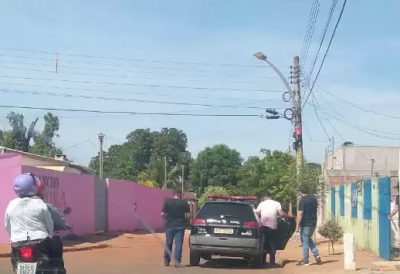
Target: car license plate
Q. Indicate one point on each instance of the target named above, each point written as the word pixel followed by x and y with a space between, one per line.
pixel 26 268
pixel 223 230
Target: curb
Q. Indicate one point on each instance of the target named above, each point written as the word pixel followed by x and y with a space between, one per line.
pixel 69 249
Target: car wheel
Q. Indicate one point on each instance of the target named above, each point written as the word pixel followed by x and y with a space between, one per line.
pixel 194 258
pixel 207 257
pixel 257 262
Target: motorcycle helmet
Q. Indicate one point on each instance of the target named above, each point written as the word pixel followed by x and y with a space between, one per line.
pixel 25 185
pixel 40 188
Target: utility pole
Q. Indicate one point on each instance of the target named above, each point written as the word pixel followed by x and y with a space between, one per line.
pixel 101 155
pixel 183 179
pixel 372 167
pixel 298 127
pixel 165 172
pixel 333 152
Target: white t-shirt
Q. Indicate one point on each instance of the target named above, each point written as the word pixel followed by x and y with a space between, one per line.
pixel 269 213
pixel 28 217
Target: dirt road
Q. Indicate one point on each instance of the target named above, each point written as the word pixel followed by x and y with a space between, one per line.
pixel 130 253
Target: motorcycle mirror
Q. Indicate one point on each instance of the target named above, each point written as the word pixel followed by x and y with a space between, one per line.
pixel 67 211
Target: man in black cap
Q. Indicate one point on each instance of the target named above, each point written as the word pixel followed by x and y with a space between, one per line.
pixel 176 211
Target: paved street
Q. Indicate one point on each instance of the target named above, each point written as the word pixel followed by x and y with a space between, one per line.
pixel 143 254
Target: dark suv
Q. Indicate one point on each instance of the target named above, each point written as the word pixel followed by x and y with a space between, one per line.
pixel 226 228
pixel 229 227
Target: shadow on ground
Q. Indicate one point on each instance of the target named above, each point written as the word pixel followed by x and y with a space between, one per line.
pixel 230 263
pixel 72 239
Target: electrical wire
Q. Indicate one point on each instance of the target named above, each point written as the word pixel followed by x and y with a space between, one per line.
pixel 141 85
pixel 130 112
pixel 309 31
pixel 357 106
pixel 128 99
pixel 232 79
pixel 326 52
pixel 127 59
pixel 322 39
pixel 129 92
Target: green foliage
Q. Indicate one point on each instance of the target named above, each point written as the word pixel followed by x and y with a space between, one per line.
pixel 215 166
pixel 19 136
pixel 332 231
pixel 211 190
pixel 142 157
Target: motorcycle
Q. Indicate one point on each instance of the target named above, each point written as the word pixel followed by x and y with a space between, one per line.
pixel 31 257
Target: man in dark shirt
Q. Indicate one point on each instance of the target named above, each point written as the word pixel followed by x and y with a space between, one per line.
pixel 176 211
pixel 306 224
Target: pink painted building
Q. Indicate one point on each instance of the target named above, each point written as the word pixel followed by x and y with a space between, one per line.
pixel 97 205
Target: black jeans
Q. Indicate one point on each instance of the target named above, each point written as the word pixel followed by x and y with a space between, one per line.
pixel 269 246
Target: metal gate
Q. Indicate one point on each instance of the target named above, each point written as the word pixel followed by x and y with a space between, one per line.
pixel 385 244
pixel 100 205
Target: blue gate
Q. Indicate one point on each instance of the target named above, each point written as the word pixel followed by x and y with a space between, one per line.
pixel 385 244
pixel 333 201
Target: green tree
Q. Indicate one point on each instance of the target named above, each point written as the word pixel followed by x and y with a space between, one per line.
pixel 19 137
pixel 215 166
pixel 141 157
pixel 212 190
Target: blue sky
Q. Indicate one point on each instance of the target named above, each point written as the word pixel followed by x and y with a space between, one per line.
pixel 361 67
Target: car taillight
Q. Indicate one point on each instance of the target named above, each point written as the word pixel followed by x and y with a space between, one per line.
pixel 251 224
pixel 26 253
pixel 199 221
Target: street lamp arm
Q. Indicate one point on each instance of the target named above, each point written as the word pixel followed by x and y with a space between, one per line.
pixel 289 89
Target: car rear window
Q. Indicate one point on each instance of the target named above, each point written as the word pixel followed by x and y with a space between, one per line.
pixel 242 211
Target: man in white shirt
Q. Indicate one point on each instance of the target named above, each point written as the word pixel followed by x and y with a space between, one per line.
pixel 268 210
pixel 27 217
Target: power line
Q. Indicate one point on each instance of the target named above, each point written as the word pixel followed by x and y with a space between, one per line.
pixel 119 76
pixel 327 51
pixel 129 92
pixel 128 59
pixel 322 39
pixel 127 99
pixel 319 118
pixel 141 85
pixel 136 72
pixel 130 112
pixel 357 106
pixel 310 31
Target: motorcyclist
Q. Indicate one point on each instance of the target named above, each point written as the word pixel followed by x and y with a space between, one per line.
pixel 27 218
pixel 59 224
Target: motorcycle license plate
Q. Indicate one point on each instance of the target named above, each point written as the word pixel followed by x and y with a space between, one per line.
pixel 26 268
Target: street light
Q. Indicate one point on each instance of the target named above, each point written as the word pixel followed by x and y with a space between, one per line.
pixel 262 57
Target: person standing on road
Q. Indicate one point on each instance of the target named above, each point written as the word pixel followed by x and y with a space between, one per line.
pixel 306 224
pixel 268 210
pixel 176 211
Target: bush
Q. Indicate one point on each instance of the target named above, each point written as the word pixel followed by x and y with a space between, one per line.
pixel 332 231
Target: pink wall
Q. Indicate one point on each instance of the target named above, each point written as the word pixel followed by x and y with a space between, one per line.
pixel 10 167
pixel 133 206
pixel 70 190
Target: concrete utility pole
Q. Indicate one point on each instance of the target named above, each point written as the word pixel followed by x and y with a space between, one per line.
pixel 293 113
pixel 298 127
pixel 165 172
pixel 101 155
pixel 183 179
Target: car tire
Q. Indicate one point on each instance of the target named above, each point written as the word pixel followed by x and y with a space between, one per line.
pixel 194 258
pixel 257 261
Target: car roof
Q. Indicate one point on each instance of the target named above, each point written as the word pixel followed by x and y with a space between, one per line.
pixel 228 202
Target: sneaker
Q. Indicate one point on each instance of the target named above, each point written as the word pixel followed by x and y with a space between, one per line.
pixel 318 259
pixel 166 263
pixel 304 264
pixel 177 265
